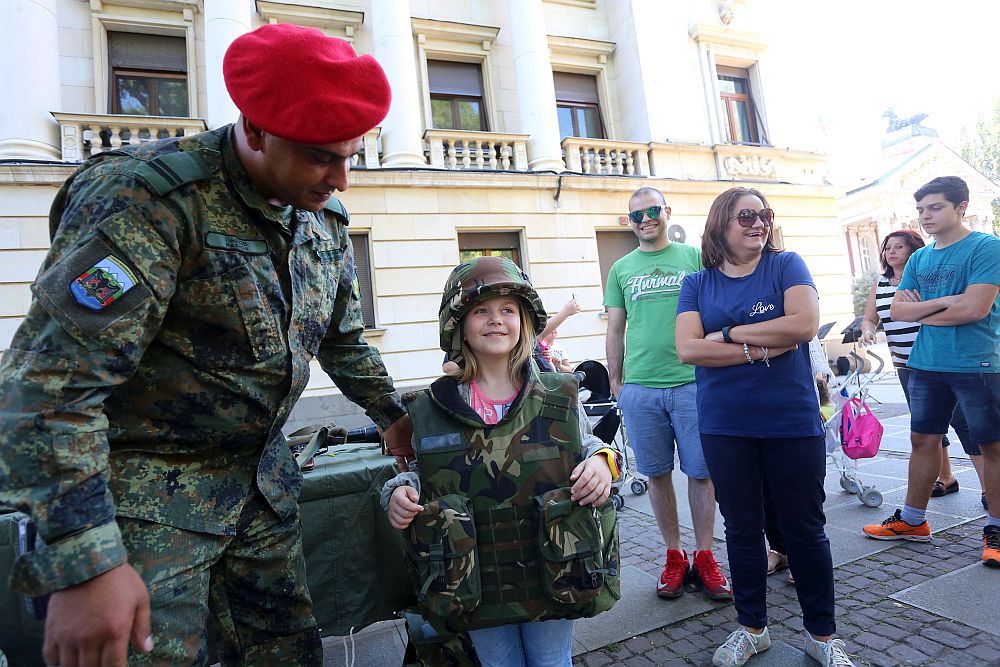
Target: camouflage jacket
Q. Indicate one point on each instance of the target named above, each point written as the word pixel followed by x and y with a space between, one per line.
pixel 170 335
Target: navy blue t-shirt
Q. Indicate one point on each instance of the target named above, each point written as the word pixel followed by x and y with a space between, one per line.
pixel 753 400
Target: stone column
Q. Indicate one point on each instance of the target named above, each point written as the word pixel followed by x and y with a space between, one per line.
pixel 536 93
pixel 402 133
pixel 29 80
pixel 225 20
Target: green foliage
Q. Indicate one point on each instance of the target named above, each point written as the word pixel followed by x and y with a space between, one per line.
pixel 859 290
pixel 981 149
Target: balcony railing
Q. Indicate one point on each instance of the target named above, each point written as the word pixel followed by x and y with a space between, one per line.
pixel 368 158
pixel 486 151
pixel 85 134
pixel 606 158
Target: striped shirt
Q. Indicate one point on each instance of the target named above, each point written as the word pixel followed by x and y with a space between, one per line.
pixel 898 335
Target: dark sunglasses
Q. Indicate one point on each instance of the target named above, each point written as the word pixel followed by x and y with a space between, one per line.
pixel 747 216
pixel 653 212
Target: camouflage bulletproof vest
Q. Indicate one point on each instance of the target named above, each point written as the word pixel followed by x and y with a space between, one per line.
pixel 499 540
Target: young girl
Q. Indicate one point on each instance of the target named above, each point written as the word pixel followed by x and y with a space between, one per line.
pixel 508 531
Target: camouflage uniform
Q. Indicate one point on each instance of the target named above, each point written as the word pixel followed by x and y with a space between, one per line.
pixel 173 323
pixel 499 540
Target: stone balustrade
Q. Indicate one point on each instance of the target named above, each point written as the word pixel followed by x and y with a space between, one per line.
pixel 368 158
pixel 603 157
pixel 484 151
pixel 84 134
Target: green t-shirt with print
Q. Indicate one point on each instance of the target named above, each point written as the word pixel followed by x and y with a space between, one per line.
pixel 646 285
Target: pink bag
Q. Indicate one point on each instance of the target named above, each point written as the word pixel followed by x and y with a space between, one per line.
pixel 860 430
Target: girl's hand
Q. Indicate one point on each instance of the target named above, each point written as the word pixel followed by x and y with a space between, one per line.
pixel 592 481
pixel 403 506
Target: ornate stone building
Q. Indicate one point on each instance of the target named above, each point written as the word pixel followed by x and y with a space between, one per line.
pixel 518 127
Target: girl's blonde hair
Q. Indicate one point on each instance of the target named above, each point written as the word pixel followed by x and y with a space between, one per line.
pixel 519 356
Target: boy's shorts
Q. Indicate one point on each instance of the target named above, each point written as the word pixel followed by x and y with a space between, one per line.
pixel 934 394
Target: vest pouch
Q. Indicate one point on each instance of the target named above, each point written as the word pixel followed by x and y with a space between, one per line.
pixel 440 548
pixel 612 590
pixel 570 543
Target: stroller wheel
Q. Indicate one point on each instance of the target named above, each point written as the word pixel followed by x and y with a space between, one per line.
pixel 618 502
pixel 871 497
pixel 850 486
pixel 638 487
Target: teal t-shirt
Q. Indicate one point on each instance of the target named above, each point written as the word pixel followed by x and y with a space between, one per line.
pixel 646 285
pixel 967 348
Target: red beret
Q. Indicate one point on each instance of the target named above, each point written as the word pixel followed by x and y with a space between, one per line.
pixel 298 84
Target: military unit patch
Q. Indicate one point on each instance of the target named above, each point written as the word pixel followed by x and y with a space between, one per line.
pixel 102 284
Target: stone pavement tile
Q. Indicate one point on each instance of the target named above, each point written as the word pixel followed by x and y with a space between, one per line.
pixel 848 545
pixel 782 654
pixel 965 505
pixel 638 611
pixel 949 596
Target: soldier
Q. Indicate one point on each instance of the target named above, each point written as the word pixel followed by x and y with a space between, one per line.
pixel 508 532
pixel 189 283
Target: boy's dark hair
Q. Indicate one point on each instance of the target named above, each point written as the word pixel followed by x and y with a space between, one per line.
pixel 953 188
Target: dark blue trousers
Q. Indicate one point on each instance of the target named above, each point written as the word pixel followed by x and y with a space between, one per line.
pixel 793 469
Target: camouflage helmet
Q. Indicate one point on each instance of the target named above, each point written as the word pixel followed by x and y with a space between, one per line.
pixel 475 281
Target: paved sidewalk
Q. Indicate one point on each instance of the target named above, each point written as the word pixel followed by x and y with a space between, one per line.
pixel 898 603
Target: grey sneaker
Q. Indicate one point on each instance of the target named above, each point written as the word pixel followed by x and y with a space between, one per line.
pixel 828 654
pixel 739 647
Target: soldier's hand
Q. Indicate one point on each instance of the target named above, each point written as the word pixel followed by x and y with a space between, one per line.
pixel 403 506
pixel 92 623
pixel 398 441
pixel 592 481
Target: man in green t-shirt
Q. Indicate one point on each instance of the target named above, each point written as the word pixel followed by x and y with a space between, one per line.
pixel 657 393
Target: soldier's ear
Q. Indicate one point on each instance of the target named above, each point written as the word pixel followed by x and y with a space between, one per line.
pixel 254 134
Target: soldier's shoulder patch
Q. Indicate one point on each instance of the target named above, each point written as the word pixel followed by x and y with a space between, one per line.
pixel 103 283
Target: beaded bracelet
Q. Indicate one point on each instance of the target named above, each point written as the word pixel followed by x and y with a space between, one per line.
pixel 746 353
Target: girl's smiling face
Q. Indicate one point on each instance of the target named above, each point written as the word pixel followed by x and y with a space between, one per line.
pixel 492 328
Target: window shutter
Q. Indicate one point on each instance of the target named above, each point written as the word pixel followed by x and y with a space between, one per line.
pixel 612 246
pixel 451 78
pixel 488 241
pixel 359 243
pixel 132 50
pixel 580 88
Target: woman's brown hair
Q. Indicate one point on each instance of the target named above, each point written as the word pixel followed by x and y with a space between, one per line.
pixel 714 249
pixel 910 237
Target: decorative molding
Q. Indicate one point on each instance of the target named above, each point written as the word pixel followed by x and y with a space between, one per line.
pixel 318 14
pixel 741 166
pixel 578 46
pixel 710 34
pixel 586 4
pixel 453 31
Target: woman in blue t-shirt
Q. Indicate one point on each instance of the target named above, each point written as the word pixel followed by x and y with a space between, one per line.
pixel 746 322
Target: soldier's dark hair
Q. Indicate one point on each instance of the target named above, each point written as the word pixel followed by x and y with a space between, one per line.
pixel 714 248
pixel 954 189
pixel 519 356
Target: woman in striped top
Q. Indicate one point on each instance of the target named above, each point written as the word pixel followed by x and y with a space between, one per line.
pixel 899 336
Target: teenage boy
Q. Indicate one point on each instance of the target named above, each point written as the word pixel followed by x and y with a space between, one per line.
pixel 951 287
pixel 657 393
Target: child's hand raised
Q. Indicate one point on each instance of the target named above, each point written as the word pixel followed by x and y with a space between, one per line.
pixel 403 506
pixel 592 481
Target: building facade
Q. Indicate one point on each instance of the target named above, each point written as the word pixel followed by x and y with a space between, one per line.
pixel 518 127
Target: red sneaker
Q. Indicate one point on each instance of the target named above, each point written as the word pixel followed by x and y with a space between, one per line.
pixel 705 574
pixel 671 583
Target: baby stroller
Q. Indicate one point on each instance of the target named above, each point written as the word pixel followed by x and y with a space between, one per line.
pixel 601 403
pixel 850 481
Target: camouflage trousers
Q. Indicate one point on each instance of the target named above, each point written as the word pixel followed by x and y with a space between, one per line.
pixel 251 587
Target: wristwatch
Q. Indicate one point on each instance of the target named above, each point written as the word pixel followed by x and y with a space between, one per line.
pixel 725 334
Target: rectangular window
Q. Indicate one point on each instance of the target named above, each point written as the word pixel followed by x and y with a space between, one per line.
pixel 612 246
pixel 738 110
pixel 578 106
pixel 489 244
pixel 148 75
pixel 362 265
pixel 456 91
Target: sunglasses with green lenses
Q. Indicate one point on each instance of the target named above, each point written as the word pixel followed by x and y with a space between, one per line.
pixel 638 216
